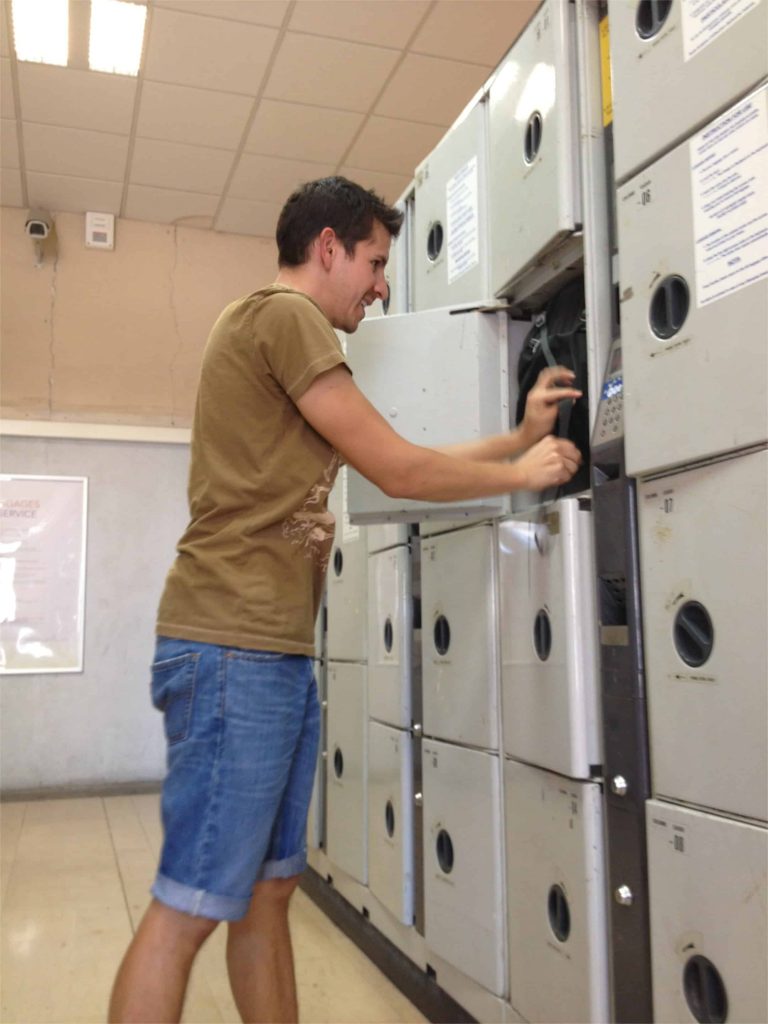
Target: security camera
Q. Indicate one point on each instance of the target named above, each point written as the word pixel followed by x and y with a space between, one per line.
pixel 38 225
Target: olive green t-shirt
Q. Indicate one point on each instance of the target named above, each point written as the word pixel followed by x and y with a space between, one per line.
pixel 251 564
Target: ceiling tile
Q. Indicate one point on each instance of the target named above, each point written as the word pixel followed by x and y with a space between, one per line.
pixel 431 90
pixel 7 108
pixel 365 21
pixel 53 150
pixel 474 31
pixel 10 189
pixel 388 186
pixel 242 217
pixel 347 76
pixel 175 166
pixel 393 146
pixel 9 144
pixel 199 117
pixel 308 133
pixel 76 99
pixel 270 179
pixel 73 195
pixel 208 53
pixel 257 12
pixel 166 206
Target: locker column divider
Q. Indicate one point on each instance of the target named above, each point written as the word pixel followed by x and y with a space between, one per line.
pixel 414 548
pixel 623 699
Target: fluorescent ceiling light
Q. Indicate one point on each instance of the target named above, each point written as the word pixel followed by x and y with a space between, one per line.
pixel 41 30
pixel 117 34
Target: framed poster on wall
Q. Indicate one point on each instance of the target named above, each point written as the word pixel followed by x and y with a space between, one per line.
pixel 43 521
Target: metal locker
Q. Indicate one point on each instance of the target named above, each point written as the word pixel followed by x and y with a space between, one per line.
pixel 704 581
pixel 533 174
pixel 386 535
pixel 460 637
pixel 463 883
pixel 693 269
pixel 390 819
pixel 450 224
pixel 549 665
pixel 438 379
pixel 347 770
pixel 390 623
pixel 703 54
pixel 558 931
pixel 707 878
pixel 347 581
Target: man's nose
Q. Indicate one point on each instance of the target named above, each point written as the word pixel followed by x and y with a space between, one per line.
pixel 381 288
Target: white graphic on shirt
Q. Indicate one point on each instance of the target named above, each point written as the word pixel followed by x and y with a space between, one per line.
pixel 311 527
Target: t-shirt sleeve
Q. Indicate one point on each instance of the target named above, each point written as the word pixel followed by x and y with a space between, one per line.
pixel 296 342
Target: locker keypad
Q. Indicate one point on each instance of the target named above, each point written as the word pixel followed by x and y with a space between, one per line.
pixel 610 416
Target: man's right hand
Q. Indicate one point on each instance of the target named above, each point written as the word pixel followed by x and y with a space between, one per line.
pixel 551 462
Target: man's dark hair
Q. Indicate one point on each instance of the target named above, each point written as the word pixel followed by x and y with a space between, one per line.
pixel 334 203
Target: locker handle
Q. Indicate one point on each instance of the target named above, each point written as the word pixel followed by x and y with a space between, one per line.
pixel 388 635
pixel 338 763
pixel 704 991
pixel 338 561
pixel 533 133
pixel 389 818
pixel 442 635
pixel 559 913
pixel 694 633
pixel 650 17
pixel 444 852
pixel 669 306
pixel 542 635
pixel 434 241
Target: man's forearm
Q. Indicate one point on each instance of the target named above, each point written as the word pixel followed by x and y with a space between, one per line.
pixel 495 448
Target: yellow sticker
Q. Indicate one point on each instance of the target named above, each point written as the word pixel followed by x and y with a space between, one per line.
pixel 605 73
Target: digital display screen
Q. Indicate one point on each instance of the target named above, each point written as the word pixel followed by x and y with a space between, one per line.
pixel 612 387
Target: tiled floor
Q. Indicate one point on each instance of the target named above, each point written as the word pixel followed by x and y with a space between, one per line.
pixel 74 877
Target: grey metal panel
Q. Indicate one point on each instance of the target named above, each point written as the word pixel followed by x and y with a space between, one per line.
pixel 699 391
pixel 390 625
pixel 347 770
pixel 347 582
pixel 535 201
pixel 386 535
pixel 460 637
pixel 558 937
pixel 451 205
pixel 703 546
pixel 438 379
pixel 391 863
pixel 463 875
pixel 549 666
pixel 708 900
pixel 703 55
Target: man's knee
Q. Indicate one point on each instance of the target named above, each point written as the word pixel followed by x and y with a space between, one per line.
pixel 276 890
pixel 179 927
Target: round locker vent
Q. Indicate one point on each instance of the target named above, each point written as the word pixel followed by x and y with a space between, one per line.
pixel 389 818
pixel 704 991
pixel 650 17
pixel 442 635
pixel 559 913
pixel 435 241
pixel 533 132
pixel 388 636
pixel 445 852
pixel 542 635
pixel 694 633
pixel 338 763
pixel 669 306
pixel 338 561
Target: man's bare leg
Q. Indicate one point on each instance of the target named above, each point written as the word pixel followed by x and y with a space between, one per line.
pixel 152 980
pixel 260 957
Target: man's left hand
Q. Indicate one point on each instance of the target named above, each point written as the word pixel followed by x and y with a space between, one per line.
pixel 554 384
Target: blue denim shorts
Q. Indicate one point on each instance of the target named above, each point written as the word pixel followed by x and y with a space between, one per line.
pixel 242 729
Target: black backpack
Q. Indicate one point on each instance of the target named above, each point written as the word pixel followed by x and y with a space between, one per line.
pixel 559 337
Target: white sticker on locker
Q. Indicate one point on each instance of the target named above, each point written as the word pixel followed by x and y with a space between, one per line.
pixel 348 532
pixel 462 221
pixel 705 20
pixel 729 171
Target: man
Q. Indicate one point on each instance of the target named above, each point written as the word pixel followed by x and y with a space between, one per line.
pixel 276 411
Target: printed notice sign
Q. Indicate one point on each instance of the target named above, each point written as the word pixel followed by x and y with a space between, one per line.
pixel 729 170
pixel 42 573
pixel 348 532
pixel 462 221
pixel 705 20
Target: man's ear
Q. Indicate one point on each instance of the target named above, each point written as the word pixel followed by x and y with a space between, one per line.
pixel 327 245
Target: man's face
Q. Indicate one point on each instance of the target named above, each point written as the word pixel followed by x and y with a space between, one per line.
pixel 358 280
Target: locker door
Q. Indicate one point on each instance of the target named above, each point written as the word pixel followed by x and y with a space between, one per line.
pixel 390 622
pixel 347 582
pixel 347 770
pixel 390 819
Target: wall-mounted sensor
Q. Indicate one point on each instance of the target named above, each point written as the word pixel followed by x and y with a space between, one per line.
pixel 100 231
pixel 38 225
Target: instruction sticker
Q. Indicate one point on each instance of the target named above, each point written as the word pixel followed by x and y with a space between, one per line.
pixel 729 171
pixel 705 20
pixel 463 221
